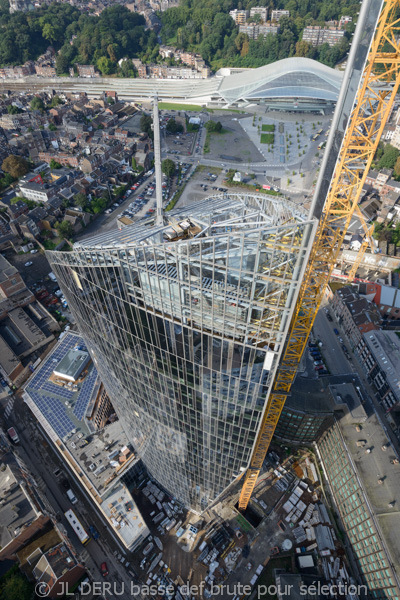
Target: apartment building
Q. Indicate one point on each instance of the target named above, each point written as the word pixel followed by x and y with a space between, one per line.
pixel 86 71
pixel 355 313
pixel 276 15
pixel 255 31
pixel 316 35
pixel 379 353
pixel 239 16
pixel 260 11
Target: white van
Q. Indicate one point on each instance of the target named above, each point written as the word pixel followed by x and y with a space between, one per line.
pixel 71 497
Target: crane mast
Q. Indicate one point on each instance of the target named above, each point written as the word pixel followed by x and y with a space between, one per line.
pixel 368 92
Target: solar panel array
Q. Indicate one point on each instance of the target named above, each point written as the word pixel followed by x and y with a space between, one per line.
pixel 85 395
pixel 50 398
pixel 55 413
pixel 68 342
pixel 58 390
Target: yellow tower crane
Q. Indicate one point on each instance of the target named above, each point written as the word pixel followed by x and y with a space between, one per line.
pixel 370 85
pixel 367 241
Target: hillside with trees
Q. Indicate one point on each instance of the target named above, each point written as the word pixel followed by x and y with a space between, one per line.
pixel 117 33
pixel 205 26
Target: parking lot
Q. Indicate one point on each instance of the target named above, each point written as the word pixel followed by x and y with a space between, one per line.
pixel 32 273
pixel 207 181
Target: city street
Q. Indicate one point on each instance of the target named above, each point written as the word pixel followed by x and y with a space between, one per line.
pixel 41 460
pixel 339 364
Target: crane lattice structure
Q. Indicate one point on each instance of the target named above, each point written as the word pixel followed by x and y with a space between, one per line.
pixel 367 241
pixel 365 110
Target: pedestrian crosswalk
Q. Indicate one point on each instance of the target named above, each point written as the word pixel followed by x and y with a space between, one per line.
pixel 9 408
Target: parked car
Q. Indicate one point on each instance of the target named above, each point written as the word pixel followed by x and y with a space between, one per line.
pixel 103 569
pixel 29 263
pixel 318 362
pixel 328 316
pixel 336 331
pixel 344 348
pixel 319 367
pixel 322 372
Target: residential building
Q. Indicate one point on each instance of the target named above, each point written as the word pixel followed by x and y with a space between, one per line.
pixel 259 11
pixel 276 15
pixel 395 141
pixel 316 35
pixel 11 282
pixel 256 31
pixel 355 314
pixel 15 121
pixel 379 353
pixel 21 6
pixel 239 16
pixel 344 20
pixel 86 71
pixel 364 488
pixel 21 511
pixel 194 330
pixel 36 191
pixel 57 568
pixel 45 70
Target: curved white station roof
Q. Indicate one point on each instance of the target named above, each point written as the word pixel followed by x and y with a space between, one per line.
pixel 290 77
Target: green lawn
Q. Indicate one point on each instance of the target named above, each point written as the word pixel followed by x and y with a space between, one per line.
pixel 268 128
pixel 172 106
pixel 267 138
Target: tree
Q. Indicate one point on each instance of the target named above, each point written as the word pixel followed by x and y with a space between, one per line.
pixel 397 167
pixel 145 124
pixel 214 126
pixel 13 110
pixel 389 157
pixel 168 167
pixel 55 101
pixel 49 32
pixel 37 103
pixel 52 127
pixel 174 127
pixel 16 166
pixel 81 201
pixel 16 587
pixel 110 100
pixel 54 164
pixel 65 230
pixel 134 163
pixel 105 65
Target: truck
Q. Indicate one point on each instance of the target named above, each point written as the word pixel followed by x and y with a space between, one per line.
pixel 52 276
pixel 13 435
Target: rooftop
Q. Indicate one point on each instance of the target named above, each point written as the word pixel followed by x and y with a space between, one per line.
pixel 104 456
pixel 385 347
pixel 72 365
pixel 372 467
pixel 53 565
pixel 59 405
pixel 209 218
pixel 8 360
pixel 16 508
pixel 124 516
pixel 6 270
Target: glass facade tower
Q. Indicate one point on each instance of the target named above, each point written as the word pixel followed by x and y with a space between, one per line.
pixel 186 323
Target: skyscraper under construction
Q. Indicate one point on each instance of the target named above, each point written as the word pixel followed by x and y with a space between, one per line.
pixel 186 321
